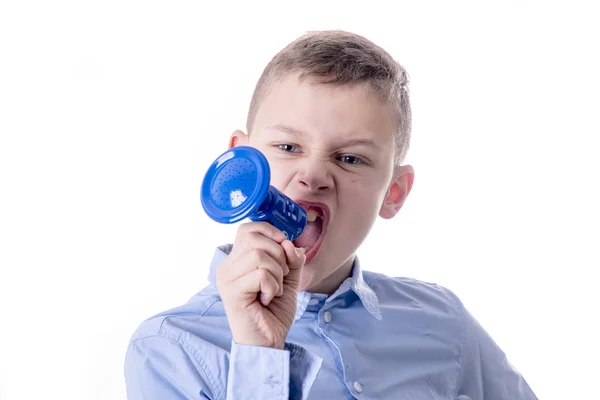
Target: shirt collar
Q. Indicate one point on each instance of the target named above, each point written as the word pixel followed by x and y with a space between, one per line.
pixel 356 283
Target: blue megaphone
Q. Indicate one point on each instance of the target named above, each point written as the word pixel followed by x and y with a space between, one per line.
pixel 237 186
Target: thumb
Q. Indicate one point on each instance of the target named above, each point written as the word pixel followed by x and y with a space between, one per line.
pixel 296 257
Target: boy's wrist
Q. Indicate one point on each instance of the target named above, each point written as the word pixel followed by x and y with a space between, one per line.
pixel 259 343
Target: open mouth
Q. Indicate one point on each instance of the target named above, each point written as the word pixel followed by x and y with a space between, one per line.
pixel 312 236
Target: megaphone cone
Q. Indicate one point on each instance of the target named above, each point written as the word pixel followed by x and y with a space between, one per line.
pixel 237 186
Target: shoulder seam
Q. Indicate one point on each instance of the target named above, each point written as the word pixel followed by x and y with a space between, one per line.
pixel 376 278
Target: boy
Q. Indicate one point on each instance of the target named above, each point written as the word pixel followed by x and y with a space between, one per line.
pixel 303 320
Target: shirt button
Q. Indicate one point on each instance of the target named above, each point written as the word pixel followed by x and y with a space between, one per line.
pixel 357 387
pixel 312 302
pixel 327 316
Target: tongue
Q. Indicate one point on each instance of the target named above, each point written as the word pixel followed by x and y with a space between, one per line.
pixel 310 235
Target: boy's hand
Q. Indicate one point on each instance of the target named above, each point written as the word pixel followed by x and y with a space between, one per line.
pixel 258 282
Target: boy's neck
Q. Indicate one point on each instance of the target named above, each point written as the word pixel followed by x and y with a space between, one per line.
pixel 330 284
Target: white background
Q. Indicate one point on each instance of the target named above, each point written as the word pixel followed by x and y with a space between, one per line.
pixel 110 112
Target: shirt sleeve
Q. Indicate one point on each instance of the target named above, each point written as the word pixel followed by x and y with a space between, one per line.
pixel 158 367
pixel 271 374
pixel 486 372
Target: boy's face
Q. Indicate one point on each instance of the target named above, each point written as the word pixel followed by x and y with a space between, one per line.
pixel 331 148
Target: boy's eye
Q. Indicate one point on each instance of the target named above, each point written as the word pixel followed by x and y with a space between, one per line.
pixel 350 160
pixel 287 147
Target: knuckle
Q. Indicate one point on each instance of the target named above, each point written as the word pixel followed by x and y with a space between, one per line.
pixel 263 275
pixel 266 281
pixel 245 227
pixel 281 255
pixel 257 256
pixel 243 230
pixel 280 271
pixel 273 231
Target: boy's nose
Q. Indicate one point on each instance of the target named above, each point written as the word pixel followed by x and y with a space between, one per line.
pixel 314 176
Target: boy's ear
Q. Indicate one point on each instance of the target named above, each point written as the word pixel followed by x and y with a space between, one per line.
pixel 238 138
pixel 398 191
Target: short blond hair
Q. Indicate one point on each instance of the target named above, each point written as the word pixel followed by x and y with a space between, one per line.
pixel 342 58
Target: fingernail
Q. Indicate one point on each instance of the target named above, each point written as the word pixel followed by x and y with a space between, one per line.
pixel 264 299
pixel 300 251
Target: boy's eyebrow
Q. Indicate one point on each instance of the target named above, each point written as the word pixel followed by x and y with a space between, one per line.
pixel 297 132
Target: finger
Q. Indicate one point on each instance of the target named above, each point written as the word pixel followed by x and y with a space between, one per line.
pixel 296 258
pixel 264 228
pixel 259 281
pixel 259 242
pixel 253 260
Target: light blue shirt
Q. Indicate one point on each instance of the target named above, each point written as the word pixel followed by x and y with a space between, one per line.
pixel 376 337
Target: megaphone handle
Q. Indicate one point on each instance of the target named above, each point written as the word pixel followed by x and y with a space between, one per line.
pixel 281 212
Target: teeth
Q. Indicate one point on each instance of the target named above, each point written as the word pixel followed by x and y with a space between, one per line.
pixel 311 215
